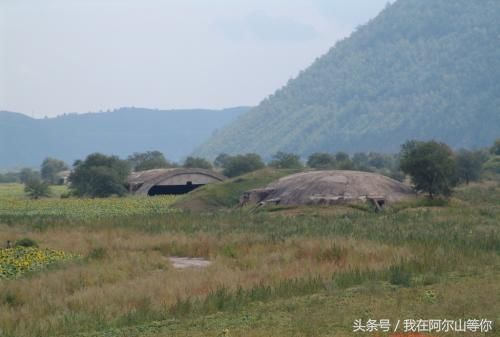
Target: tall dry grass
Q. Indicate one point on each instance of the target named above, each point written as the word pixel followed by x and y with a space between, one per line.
pixel 125 275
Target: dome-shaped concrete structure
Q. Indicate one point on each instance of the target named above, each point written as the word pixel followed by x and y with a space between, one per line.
pixel 171 181
pixel 329 187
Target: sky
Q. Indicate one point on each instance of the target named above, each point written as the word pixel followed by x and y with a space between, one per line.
pixel 67 56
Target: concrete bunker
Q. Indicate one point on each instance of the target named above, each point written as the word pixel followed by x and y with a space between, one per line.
pixel 174 181
pixel 329 188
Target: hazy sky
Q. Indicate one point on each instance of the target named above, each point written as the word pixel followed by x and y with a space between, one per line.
pixel 60 56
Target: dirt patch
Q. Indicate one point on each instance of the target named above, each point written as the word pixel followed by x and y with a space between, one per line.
pixel 188 262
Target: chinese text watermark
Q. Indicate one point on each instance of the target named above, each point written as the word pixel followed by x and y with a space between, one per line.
pixel 423 325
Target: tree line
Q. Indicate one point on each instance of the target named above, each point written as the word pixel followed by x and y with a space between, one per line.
pixel 433 167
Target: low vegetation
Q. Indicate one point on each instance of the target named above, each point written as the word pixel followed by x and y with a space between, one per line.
pixel 299 270
pixel 36 189
pixel 433 167
pixel 227 194
pixel 15 208
pixel 19 260
pixel 69 264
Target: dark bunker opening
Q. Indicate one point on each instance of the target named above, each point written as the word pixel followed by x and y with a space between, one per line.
pixel 173 189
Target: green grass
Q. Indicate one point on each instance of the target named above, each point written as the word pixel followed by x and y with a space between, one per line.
pixel 16 191
pixel 445 263
pixel 227 194
pixel 331 312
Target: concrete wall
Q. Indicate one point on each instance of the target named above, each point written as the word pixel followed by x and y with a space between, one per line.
pixel 182 179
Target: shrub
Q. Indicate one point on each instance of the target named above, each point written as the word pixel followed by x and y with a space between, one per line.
pixel 321 161
pixel 333 253
pixel 282 160
pixel 65 195
pixel 241 164
pixel 97 253
pixel 36 189
pixel 495 149
pixel 398 275
pixel 229 251
pixel 493 165
pixel 148 160
pixel 327 161
pixel 469 164
pixel 26 242
pixel 196 162
pixel 397 175
pixel 221 160
pixel 11 299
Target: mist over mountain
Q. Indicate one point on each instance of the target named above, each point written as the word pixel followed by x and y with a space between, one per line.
pixel 422 69
pixel 25 141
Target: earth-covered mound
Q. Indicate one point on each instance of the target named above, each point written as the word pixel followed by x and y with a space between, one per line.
pixel 329 187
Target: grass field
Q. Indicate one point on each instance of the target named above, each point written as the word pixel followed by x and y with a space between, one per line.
pixel 277 272
pixel 15 207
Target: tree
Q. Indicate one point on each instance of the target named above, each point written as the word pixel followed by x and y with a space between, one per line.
pixel 36 188
pixel 430 165
pixel 142 161
pixel 339 103
pixel 469 165
pixel 343 162
pixel 341 156
pixel 99 176
pixel 378 160
pixel 240 164
pixel 284 160
pixel 322 161
pixel 495 149
pixel 196 162
pixel 27 174
pixel 361 160
pixel 9 177
pixel 493 165
pixel 50 168
pixel 345 165
pixel 221 160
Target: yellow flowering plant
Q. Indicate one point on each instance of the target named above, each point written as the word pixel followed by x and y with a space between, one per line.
pixel 17 261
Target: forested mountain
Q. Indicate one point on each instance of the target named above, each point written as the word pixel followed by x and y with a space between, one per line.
pixel 25 141
pixel 422 69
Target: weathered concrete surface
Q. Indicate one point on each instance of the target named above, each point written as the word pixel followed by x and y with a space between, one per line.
pixel 141 182
pixel 328 187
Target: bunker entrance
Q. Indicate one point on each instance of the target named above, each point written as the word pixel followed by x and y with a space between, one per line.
pixel 173 189
pixel 379 203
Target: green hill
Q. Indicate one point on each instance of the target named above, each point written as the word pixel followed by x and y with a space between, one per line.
pixel 227 194
pixel 26 141
pixel 422 69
